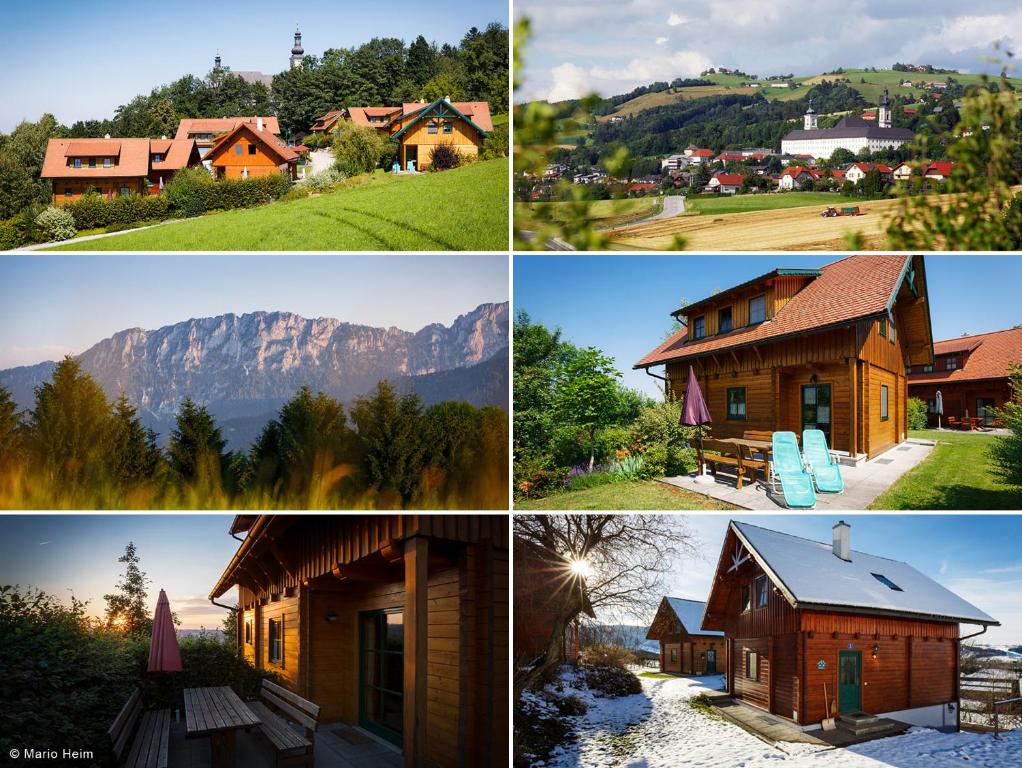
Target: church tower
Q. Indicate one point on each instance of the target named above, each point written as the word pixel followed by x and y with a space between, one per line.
pixel 810 119
pixel 216 62
pixel 297 53
pixel 884 113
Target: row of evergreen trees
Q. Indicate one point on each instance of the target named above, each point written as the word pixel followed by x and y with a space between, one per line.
pixel 74 448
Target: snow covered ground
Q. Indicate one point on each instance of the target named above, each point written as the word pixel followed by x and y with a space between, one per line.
pixel 658 728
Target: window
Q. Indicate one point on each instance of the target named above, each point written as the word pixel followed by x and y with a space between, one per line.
pixel 77 162
pixel 883 403
pixel 238 149
pixel 927 369
pixel 698 327
pixel 92 162
pixel 276 641
pixel 883 327
pixel 674 654
pixel 887 582
pixel 757 310
pixel 752 665
pixel 431 126
pixel 157 158
pixel 251 149
pixel 67 191
pixel 736 403
pixel 125 191
pixel 108 162
pixel 724 320
pixel 761 591
pixel 248 633
pixel 951 363
pixel 745 598
pixel 448 126
pixel 908 370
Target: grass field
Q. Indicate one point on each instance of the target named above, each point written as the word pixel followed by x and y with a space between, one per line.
pixel 761 202
pixel 638 494
pixel 957 475
pixel 462 209
pixel 603 213
pixel 780 227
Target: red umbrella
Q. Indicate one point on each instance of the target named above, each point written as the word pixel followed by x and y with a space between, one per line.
pixel 696 413
pixel 164 654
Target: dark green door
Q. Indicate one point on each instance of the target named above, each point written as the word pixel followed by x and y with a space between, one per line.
pixel 711 661
pixel 816 409
pixel 849 681
pixel 381 676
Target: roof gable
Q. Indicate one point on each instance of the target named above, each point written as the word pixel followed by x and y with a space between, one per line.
pixel 131 158
pixel 444 108
pixel 990 356
pixel 266 139
pixel 688 612
pixel 218 125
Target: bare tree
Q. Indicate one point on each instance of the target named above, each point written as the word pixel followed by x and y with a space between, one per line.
pixel 587 563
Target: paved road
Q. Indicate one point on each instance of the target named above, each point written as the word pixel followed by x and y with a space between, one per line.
pixel 674 205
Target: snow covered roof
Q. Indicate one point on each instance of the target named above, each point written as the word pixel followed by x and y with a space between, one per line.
pixel 689 613
pixel 811 575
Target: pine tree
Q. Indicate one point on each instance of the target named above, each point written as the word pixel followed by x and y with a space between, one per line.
pixel 10 427
pixel 126 608
pixel 196 448
pixel 389 439
pixel 422 61
pixel 134 455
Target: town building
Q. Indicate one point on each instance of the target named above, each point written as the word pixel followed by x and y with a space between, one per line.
pixel 250 151
pixel 851 133
pixel 726 183
pixel 685 648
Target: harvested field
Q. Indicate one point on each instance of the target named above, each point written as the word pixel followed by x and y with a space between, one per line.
pixel 789 229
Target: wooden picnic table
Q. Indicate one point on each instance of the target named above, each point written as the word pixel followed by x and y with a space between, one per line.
pixel 219 713
pixel 764 446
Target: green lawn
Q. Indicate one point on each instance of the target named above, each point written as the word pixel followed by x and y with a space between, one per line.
pixel 638 494
pixel 462 209
pixel 956 476
pixel 605 213
pixel 657 675
pixel 762 202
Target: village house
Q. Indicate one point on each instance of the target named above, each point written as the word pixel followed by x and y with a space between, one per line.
pixel 797 349
pixel 851 133
pixel 249 151
pixel 698 155
pixel 114 167
pixel 797 177
pixel 397 624
pixel 685 648
pixel 675 162
pixel 799 615
pixel 939 171
pixel 205 130
pixel 726 183
pixel 856 172
pixel 971 374
pixel 901 172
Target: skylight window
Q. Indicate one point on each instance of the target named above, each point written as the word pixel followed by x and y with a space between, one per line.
pixel 887 582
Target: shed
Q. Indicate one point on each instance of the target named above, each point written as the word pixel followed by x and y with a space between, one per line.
pixel 685 647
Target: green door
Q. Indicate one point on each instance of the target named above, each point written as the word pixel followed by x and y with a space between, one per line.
pixel 381 678
pixel 711 661
pixel 816 409
pixel 849 680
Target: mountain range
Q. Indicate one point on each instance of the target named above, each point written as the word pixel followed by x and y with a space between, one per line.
pixel 243 367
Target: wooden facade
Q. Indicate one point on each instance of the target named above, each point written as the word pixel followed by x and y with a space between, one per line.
pixel 322 599
pixel 847 378
pixel 248 152
pixel 686 650
pixel 780 655
pixel 420 130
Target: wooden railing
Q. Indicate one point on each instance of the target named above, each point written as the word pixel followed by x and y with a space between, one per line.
pixel 1017 701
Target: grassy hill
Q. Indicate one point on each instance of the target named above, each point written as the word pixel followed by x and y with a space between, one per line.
pixel 461 209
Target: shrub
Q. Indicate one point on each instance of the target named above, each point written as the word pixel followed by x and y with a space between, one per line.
pixel 56 224
pixel 496 144
pixel 92 210
pixel 611 682
pixel 297 193
pixel 359 149
pixel 184 190
pixel 193 192
pixel 322 180
pixel 539 729
pixel 606 655
pixel 535 477
pixel 15 232
pixel 628 467
pixel 569 706
pixel 317 140
pixel 444 157
pixel 1007 451
pixel 917 413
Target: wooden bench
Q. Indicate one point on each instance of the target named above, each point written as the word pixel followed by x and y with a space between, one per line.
pixel 730 456
pixel 277 706
pixel 141 738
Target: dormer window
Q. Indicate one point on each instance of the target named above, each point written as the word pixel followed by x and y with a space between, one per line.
pixel 951 364
pixel 724 320
pixel 887 582
pixel 157 158
pixel 92 162
pixel 927 369
pixel 757 310
pixel 108 162
pixel 77 162
pixel 698 327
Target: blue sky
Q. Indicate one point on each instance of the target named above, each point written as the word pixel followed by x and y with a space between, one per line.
pixel 622 304
pixel 975 556
pixel 77 554
pixel 81 60
pixel 608 46
pixel 52 305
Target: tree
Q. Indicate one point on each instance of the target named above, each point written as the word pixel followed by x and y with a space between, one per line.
pixel 611 563
pixel 1007 451
pixel 196 447
pixel 126 609
pixel 586 394
pixel 134 456
pixel 422 61
pixel 440 87
pixel 10 428
pixel 358 148
pixel 537 353
pixel 872 183
pixel 230 628
pixel 389 440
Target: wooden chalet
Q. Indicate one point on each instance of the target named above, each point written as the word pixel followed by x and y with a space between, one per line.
pixel 114 167
pixel 247 151
pixel 205 130
pixel 379 118
pixel 971 373
pixel 799 614
pixel 684 646
pixel 797 349
pixel 397 624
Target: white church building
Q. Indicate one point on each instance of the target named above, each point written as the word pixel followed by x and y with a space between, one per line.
pixel 851 133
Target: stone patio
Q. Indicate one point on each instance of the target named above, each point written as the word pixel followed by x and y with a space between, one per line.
pixel 863 482
pixel 337 746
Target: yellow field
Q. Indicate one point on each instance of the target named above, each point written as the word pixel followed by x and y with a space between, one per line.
pixel 790 229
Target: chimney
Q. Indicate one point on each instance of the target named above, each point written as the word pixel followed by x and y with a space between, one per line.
pixel 843 541
pixel 259 124
pixel 106 136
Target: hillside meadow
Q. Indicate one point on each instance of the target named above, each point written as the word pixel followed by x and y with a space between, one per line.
pixel 461 209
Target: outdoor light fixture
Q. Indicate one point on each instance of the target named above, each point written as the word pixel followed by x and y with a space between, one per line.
pixel 876 649
pixel 331 616
pixel 812 378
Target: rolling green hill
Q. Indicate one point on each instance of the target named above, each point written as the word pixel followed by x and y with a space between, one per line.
pixel 461 209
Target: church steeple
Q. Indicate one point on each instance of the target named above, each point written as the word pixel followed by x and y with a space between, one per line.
pixel 297 52
pixel 809 122
pixel 216 61
pixel 884 112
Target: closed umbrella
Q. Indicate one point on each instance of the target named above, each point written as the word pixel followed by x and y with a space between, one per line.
pixel 164 653
pixel 695 413
pixel 938 407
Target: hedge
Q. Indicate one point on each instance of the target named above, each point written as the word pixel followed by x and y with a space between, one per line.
pixel 92 210
pixel 192 192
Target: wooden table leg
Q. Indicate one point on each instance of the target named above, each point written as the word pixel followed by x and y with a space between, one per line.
pixel 221 744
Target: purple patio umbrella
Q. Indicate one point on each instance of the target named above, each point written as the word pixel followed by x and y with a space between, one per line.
pixel 696 413
pixel 164 653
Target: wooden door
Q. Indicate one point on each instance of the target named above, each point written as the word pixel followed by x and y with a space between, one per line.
pixel 711 661
pixel 849 685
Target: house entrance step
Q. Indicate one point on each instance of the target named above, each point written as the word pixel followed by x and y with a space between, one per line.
pixel 865 724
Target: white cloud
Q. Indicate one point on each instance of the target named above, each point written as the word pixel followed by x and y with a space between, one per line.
pixel 661 40
pixel 644 70
pixel 674 20
pixel 569 81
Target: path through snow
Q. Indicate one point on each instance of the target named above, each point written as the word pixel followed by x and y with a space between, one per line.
pixel 660 729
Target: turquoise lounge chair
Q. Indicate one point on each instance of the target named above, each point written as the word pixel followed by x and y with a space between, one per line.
pixel 796 483
pixel 824 469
